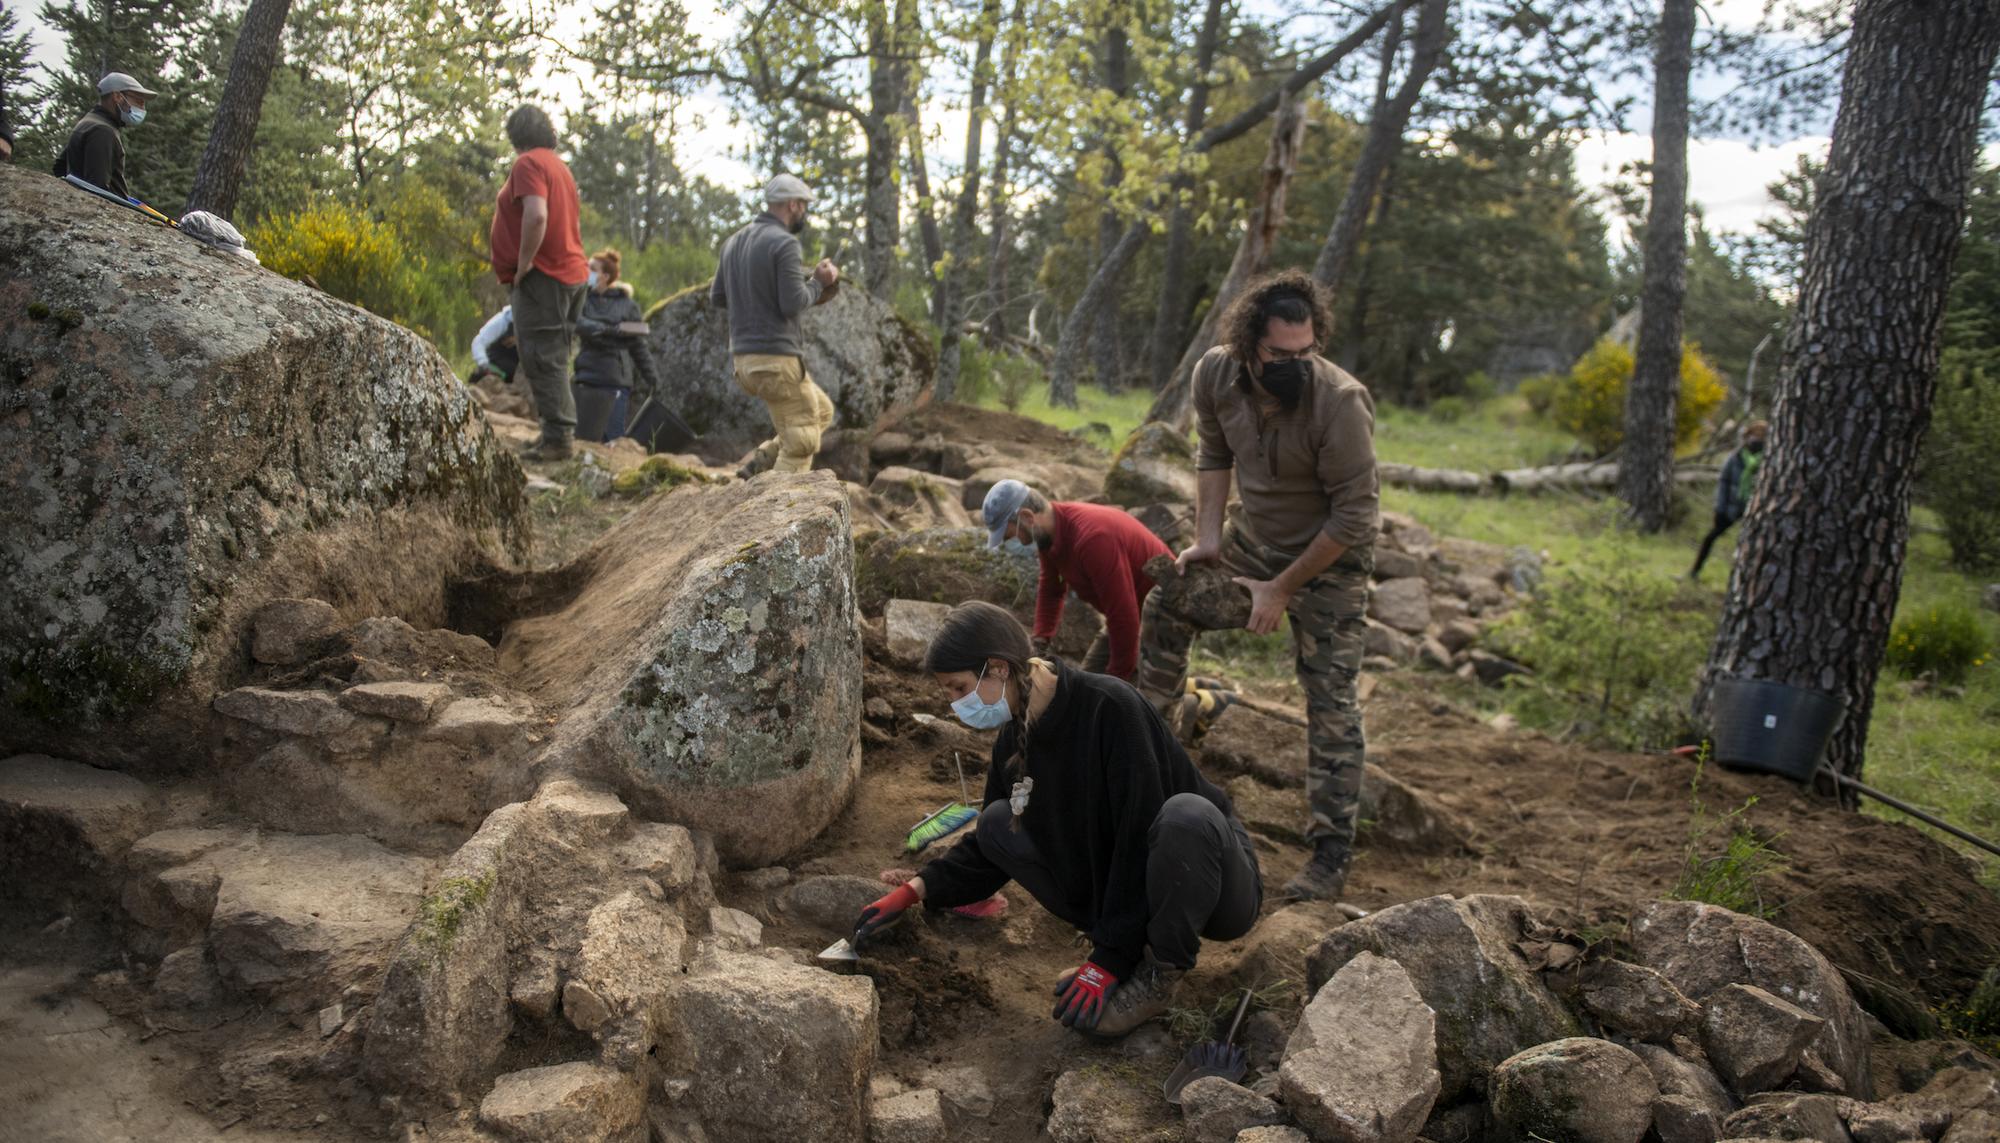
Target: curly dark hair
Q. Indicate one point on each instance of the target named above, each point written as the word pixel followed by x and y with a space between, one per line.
pixel 1288 295
pixel 529 127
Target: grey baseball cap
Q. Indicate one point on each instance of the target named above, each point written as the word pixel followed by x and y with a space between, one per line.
pixel 787 188
pixel 119 81
pixel 1003 500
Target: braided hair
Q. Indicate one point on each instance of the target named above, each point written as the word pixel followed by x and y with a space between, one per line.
pixel 974 633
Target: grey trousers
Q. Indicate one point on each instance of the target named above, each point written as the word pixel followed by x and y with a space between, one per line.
pixel 1202 878
pixel 545 313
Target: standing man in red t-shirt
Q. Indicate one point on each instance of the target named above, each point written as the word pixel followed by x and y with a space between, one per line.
pixel 1097 551
pixel 538 251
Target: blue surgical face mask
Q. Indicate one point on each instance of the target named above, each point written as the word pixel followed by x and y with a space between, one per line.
pixel 976 712
pixel 592 280
pixel 132 115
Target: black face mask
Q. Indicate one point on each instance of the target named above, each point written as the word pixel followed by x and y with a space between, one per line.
pixel 798 224
pixel 1753 446
pixel 1285 380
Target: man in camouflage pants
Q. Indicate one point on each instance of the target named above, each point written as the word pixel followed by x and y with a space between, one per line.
pixel 1297 433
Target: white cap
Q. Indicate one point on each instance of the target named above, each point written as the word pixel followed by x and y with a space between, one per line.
pixel 119 81
pixel 787 188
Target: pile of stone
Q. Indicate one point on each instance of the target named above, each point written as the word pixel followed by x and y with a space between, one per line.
pixel 1466 1019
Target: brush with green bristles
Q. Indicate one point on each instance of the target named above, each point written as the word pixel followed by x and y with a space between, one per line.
pixel 947 820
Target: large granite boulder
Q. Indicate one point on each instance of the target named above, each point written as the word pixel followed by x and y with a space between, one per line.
pixel 707 660
pixel 871 360
pixel 1589 1091
pixel 188 436
pixel 1362 1065
pixel 1461 954
pixel 1155 465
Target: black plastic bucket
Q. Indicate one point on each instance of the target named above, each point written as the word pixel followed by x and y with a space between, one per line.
pixel 659 428
pixel 1772 728
pixel 593 410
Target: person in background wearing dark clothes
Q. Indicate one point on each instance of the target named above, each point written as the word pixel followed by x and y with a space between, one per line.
pixel 609 356
pixel 1095 550
pixel 1091 806
pixel 95 152
pixel 1732 490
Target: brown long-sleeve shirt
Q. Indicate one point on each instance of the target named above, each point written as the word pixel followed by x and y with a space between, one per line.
pixel 1301 472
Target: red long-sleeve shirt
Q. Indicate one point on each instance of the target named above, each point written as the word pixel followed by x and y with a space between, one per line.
pixel 1100 553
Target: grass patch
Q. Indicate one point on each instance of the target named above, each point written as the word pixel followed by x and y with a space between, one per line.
pixel 446 907
pixel 1105 419
pixel 1484 437
pixel 1730 875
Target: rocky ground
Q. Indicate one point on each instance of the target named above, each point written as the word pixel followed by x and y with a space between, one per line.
pixel 421 832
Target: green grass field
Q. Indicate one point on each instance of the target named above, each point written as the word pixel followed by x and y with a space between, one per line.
pixel 1117 413
pixel 1933 747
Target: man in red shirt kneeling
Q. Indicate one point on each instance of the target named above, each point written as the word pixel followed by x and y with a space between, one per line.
pixel 1097 551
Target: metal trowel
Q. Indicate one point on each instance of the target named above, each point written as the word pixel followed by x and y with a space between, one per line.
pixel 840 952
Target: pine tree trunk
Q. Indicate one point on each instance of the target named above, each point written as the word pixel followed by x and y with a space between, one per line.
pixel 888 77
pixel 1647 458
pixel 1385 134
pixel 1164 344
pixel 218 178
pixel 1820 561
pixel 999 241
pixel 1107 363
pixel 927 223
pixel 1077 327
pixel 951 303
pixel 1253 255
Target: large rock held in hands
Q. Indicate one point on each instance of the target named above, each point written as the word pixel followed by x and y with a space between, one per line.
pixel 871 361
pixel 187 436
pixel 708 659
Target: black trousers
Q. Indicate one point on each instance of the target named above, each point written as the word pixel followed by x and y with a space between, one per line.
pixel 1723 522
pixel 1202 878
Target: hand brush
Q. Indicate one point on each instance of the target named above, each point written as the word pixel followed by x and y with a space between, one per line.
pixel 948 819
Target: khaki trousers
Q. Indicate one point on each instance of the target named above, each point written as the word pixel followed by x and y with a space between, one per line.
pixel 800 409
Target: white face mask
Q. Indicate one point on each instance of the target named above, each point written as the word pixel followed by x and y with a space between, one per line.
pixel 976 712
pixel 592 280
pixel 132 116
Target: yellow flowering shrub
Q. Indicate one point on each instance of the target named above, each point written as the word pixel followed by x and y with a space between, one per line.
pixel 1943 641
pixel 1590 401
pixel 350 254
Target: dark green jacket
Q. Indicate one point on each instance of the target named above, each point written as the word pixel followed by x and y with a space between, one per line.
pixel 95 153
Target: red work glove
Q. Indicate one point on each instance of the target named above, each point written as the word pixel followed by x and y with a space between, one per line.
pixel 1080 999
pixel 885 911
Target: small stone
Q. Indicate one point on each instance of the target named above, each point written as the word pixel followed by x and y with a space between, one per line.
pixel 1459 634
pixel 878 708
pixel 331 1018
pixel 1381 641
pixel 307 713
pixel 1876 1123
pixel 535 988
pixel 964 1089
pixel 287 632
pixel 1635 1000
pixel 1678 1119
pixel 1392 564
pixel 585 1009
pixel 1815 1117
pixel 766 879
pixel 566 1103
pixel 831 902
pixel 663 852
pixel 580 812
pixel 1273 1135
pixel 403 702
pixel 1363 1062
pixel 1581 1089
pixel 910 625
pixel 1432 653
pixel 1216 1110
pixel 1492 669
pixel 735 929
pixel 912 1117
pixel 1754 1039
pixel 1404 604
pixel 187 979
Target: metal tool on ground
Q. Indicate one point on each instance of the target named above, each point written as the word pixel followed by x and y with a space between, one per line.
pixel 947 819
pixel 1211 1058
pixel 841 951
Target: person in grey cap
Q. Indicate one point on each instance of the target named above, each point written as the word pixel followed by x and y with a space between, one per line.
pixel 1095 550
pixel 95 152
pixel 763 284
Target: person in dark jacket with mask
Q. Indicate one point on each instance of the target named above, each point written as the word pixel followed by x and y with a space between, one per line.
pixel 95 152
pixel 1093 807
pixel 611 356
pixel 1732 490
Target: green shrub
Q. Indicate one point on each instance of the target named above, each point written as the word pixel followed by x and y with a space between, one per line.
pixel 1960 479
pixel 1977 1017
pixel 664 269
pixel 1013 378
pixel 1448 410
pixel 1944 641
pixel 1615 648
pixel 1732 876
pixel 1478 388
pixel 1590 402
pixel 351 255
pixel 1539 392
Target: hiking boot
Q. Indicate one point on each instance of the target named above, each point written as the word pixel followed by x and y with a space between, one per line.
pixel 759 459
pixel 1324 876
pixel 548 450
pixel 1149 992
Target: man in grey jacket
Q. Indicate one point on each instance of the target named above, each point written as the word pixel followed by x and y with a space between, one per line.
pixel 763 284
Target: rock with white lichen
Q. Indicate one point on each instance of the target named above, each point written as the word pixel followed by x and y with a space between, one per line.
pixel 188 437
pixel 708 659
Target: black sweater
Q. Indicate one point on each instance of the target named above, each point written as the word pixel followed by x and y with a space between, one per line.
pixel 1104 763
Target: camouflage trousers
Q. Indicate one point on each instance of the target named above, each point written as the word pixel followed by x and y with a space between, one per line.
pixel 1327 618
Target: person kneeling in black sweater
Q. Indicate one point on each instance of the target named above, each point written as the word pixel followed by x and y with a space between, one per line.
pixel 1092 806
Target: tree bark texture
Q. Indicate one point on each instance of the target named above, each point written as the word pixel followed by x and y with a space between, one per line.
pixel 1385 134
pixel 888 78
pixel 1107 363
pixel 998 237
pixel 218 178
pixel 1169 317
pixel 965 210
pixel 1076 330
pixel 1253 256
pixel 927 223
pixel 1820 560
pixel 1646 474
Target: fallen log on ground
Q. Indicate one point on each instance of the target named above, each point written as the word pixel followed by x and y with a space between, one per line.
pixel 1588 476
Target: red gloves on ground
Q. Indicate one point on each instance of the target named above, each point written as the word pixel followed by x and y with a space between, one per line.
pixel 885 911
pixel 1080 999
